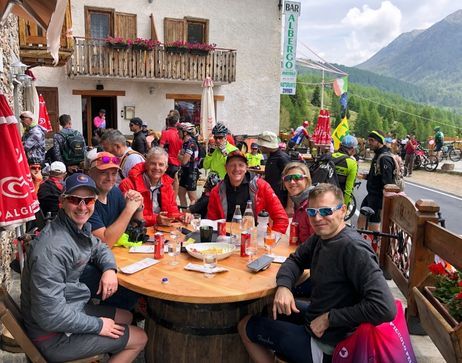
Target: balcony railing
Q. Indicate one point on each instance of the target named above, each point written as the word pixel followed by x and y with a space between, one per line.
pixel 94 58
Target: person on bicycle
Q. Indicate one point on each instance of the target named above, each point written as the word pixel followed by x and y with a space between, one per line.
pixel 216 158
pixel 346 166
pixel 439 140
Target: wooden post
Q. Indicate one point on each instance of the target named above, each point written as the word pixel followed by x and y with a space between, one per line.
pixel 390 191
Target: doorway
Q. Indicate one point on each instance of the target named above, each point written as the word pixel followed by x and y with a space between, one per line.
pixel 90 108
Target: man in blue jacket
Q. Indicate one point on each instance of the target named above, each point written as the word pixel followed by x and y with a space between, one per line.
pixel 55 305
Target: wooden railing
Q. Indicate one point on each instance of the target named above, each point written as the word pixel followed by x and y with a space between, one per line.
pixel 94 58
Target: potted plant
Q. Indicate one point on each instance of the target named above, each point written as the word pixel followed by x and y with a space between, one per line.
pixel 440 310
pixel 117 42
pixel 178 46
pixel 201 48
pixel 143 44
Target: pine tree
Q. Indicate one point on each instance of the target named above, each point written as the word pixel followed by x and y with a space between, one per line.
pixel 316 99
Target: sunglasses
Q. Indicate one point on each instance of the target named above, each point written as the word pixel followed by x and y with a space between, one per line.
pixel 218 137
pixel 107 160
pixel 296 177
pixel 76 200
pixel 323 212
pixel 35 168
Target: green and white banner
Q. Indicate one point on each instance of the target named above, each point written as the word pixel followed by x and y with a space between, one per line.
pixel 288 71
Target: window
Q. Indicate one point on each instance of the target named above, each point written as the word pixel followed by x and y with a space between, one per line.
pixel 192 30
pixel 190 111
pixel 103 22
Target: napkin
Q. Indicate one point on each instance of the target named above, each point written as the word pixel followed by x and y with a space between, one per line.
pixel 201 268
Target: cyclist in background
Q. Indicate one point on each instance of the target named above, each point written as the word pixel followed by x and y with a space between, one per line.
pixel 346 166
pixel 439 141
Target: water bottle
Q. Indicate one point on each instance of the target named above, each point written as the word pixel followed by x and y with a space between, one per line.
pixel 263 220
pixel 248 221
pixel 236 226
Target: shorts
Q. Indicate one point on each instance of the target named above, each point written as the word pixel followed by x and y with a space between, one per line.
pixel 438 146
pixel 375 203
pixel 62 348
pixel 289 339
pixel 172 170
pixel 188 179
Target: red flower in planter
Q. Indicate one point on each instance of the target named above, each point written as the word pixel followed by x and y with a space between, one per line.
pixel 437 269
pixel 459 296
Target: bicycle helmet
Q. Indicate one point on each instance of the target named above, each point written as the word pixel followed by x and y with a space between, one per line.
pixel 219 130
pixel 305 123
pixel 349 141
pixel 189 128
pixel 212 180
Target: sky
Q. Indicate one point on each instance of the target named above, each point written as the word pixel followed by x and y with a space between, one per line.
pixel 349 32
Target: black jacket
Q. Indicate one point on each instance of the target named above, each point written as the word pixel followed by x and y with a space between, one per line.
pixel 346 282
pixel 381 176
pixel 139 143
pixel 273 173
pixel 48 196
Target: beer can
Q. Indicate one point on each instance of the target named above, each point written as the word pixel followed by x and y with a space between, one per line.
pixel 293 237
pixel 158 245
pixel 245 241
pixel 221 226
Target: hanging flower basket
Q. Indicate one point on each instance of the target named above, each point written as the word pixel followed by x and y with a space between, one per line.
pixel 199 52
pixel 117 43
pixel 177 50
pixel 143 44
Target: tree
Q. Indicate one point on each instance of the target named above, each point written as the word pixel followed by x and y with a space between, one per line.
pixel 316 99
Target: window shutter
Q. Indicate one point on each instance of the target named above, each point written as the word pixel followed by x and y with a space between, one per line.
pixel 174 29
pixel 125 25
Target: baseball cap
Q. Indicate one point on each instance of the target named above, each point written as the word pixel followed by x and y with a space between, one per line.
pixel 27 114
pixel 268 139
pixel 57 167
pixel 254 145
pixel 236 154
pixel 136 121
pixel 79 180
pixel 105 160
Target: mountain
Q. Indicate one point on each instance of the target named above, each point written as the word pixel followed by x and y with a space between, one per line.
pixel 428 58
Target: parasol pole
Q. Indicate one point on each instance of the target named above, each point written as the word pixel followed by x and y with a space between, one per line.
pixel 322 91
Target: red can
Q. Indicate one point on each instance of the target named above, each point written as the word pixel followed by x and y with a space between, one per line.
pixel 245 241
pixel 293 237
pixel 158 245
pixel 221 226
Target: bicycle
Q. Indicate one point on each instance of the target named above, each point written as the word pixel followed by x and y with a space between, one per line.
pixel 450 152
pixel 351 210
pixel 423 159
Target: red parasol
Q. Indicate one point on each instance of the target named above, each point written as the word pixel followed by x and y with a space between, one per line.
pixel 18 201
pixel 43 120
pixel 321 135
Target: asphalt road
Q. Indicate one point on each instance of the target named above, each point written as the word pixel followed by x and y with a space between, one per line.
pixel 450 204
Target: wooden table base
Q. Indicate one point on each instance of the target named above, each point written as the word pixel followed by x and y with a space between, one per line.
pixel 194 333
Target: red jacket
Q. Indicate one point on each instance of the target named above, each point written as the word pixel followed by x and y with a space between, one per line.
pixel 171 138
pixel 304 227
pixel 262 197
pixel 167 195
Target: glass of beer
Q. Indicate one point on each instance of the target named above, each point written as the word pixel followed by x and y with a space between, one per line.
pixel 270 241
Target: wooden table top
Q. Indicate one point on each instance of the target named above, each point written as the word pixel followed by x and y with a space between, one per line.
pixel 237 284
pixel 260 171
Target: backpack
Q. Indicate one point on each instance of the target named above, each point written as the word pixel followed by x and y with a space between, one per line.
pixel 123 160
pixel 323 170
pixel 397 172
pixel 73 152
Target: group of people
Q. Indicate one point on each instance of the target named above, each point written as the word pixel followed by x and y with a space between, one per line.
pixel 71 262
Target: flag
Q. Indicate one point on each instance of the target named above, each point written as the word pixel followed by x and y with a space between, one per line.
pixel 43 119
pixel 341 86
pixel 340 132
pixel 344 101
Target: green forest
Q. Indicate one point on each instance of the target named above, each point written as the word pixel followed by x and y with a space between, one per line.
pixel 368 108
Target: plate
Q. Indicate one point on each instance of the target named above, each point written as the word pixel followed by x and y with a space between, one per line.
pixel 224 249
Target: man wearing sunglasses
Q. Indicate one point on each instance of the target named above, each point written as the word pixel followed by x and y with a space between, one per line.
pixel 58 315
pixel 348 289
pixel 216 158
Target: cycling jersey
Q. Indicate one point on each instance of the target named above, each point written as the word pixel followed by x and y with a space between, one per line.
pixel 346 168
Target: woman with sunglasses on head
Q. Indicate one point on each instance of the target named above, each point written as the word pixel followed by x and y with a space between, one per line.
pixel 297 181
pixel 216 159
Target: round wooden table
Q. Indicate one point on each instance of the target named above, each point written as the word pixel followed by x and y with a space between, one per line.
pixel 193 318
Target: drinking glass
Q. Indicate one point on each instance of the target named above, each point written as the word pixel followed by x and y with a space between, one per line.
pixel 252 245
pixel 270 241
pixel 173 248
pixel 196 221
pixel 210 262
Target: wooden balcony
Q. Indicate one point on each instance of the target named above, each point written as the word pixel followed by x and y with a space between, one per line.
pixel 95 59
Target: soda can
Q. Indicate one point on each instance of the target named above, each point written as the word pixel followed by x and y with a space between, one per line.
pixel 293 237
pixel 221 226
pixel 245 241
pixel 158 245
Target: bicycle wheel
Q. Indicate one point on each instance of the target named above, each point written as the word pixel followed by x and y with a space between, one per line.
pixel 431 163
pixel 351 208
pixel 417 162
pixel 455 155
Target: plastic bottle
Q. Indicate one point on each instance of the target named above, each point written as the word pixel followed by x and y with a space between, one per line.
pixel 263 220
pixel 236 227
pixel 248 221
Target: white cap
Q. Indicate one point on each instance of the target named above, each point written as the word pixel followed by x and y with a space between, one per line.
pixel 57 167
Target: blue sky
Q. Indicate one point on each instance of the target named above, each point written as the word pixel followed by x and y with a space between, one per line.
pixel 351 31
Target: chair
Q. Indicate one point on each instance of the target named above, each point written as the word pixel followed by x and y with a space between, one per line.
pixel 10 317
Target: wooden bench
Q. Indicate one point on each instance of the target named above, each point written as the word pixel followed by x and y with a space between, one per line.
pixel 10 317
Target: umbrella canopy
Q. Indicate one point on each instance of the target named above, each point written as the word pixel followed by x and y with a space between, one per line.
pixel 207 109
pixel 18 201
pixel 321 135
pixel 43 119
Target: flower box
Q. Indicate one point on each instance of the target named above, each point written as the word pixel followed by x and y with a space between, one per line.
pixel 178 50
pixel 117 45
pixel 443 329
pixel 199 52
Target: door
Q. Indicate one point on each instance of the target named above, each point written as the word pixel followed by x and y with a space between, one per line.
pixel 50 95
pixel 90 108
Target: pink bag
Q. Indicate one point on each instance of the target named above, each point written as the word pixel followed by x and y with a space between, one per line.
pixel 384 343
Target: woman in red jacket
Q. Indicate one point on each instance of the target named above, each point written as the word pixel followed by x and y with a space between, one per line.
pixel 238 187
pixel 156 187
pixel 297 181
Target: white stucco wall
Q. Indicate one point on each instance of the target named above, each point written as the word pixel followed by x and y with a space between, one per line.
pixel 253 28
